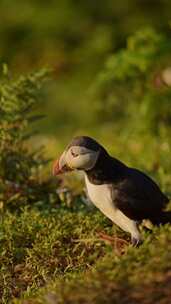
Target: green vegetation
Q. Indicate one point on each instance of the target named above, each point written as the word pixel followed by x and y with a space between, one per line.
pixel 21 177
pixel 95 68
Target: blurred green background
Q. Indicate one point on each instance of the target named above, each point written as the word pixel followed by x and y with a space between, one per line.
pixel 110 78
pixel 108 60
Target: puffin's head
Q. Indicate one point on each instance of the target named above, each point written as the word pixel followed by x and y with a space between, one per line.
pixel 81 154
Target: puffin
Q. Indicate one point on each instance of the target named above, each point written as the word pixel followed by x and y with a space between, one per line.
pixel 125 195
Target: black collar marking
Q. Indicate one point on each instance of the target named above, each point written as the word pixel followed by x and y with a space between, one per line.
pixel 106 170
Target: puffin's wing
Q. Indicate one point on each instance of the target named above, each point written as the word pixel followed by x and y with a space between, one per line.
pixel 138 196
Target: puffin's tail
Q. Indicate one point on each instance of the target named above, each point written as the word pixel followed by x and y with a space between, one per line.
pixel 163 218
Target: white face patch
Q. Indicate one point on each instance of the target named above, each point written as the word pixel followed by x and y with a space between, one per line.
pixel 81 158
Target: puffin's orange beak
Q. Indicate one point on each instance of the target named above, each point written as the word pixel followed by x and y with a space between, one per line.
pixel 57 170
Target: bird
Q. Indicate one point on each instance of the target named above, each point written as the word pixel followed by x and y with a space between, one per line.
pixel 125 195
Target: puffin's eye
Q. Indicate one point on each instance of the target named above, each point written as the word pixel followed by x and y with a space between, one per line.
pixel 74 154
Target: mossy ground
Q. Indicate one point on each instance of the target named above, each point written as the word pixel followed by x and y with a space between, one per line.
pixel 109 59
pixel 56 255
pixel 59 257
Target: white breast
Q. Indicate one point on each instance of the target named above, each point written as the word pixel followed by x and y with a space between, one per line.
pixel 101 197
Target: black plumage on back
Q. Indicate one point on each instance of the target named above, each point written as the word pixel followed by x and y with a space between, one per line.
pixel 133 192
